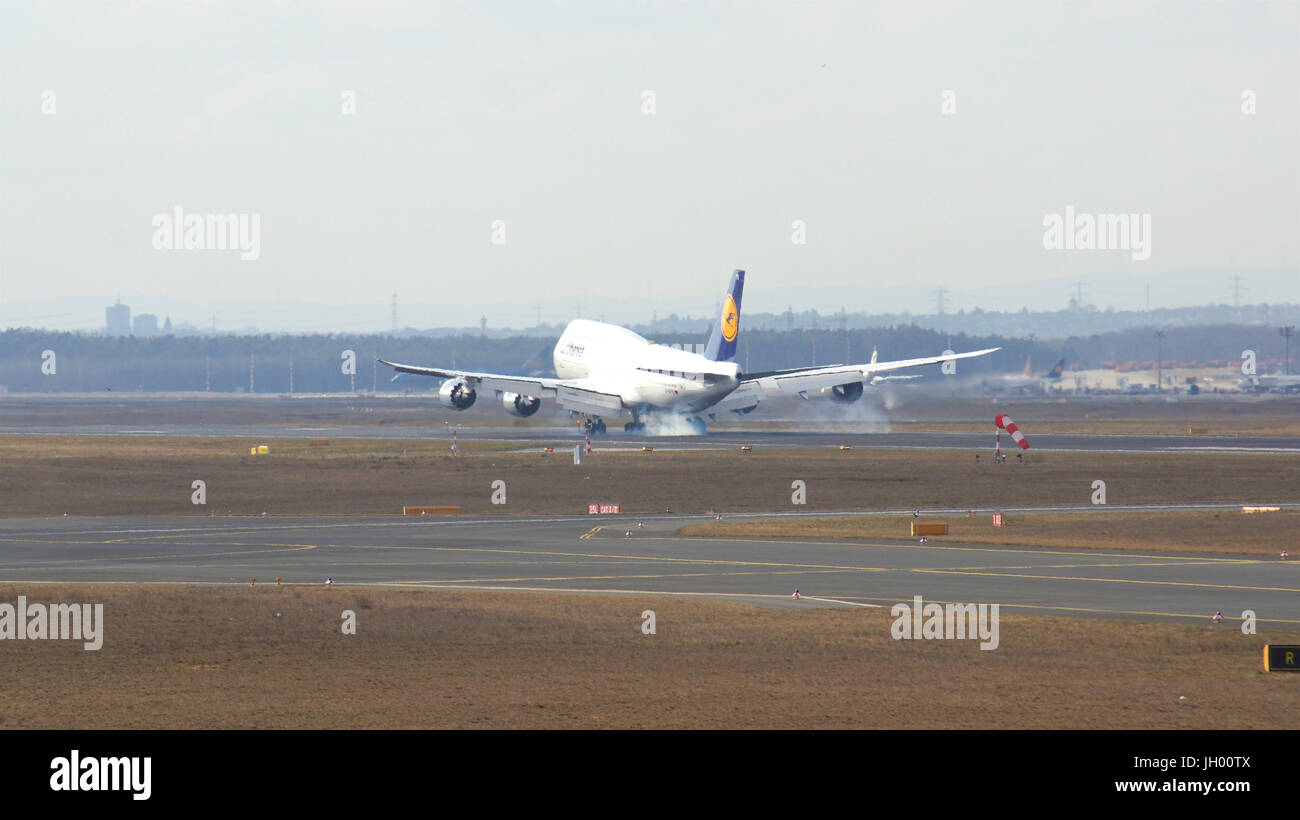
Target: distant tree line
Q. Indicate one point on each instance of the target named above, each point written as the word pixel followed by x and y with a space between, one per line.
pixel 262 364
pixel 238 364
pixel 1084 321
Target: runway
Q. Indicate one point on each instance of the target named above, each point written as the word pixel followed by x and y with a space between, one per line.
pixel 568 436
pixel 593 553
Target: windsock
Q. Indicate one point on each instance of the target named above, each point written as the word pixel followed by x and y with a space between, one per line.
pixel 1007 424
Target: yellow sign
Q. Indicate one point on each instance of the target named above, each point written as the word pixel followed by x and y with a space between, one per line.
pixel 1281 658
pixel 730 319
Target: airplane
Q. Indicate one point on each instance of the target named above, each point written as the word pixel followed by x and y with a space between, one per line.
pixel 606 371
pixel 1276 382
pixel 1027 381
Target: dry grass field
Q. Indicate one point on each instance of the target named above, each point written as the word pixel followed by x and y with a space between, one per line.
pixel 92 475
pixel 1165 531
pixel 276 658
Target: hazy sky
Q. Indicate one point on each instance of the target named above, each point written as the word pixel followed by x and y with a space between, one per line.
pixel 535 114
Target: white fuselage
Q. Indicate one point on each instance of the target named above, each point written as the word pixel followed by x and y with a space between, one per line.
pixel 649 376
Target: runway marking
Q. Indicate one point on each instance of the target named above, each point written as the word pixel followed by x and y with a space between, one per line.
pixel 244 529
pixel 1105 580
pixel 1104 566
pixel 1026 550
pixel 593 591
pixel 1198 616
pixel 602 556
pixel 622 577
pixel 835 601
pixel 52 562
pixel 590 533
pixel 1226 449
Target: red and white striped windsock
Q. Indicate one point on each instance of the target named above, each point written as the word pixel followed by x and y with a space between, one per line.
pixel 1007 424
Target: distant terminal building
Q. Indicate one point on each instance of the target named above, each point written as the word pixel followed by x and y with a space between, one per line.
pixel 145 324
pixel 117 319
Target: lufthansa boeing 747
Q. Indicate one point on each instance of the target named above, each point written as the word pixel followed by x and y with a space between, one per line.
pixel 608 372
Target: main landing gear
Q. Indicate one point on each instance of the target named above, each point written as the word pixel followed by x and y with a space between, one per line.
pixel 636 425
pixel 596 426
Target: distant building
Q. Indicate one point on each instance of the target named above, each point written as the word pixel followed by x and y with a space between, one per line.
pixel 167 325
pixel 145 324
pixel 117 319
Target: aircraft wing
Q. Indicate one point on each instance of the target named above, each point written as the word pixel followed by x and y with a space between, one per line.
pixel 571 394
pixel 801 381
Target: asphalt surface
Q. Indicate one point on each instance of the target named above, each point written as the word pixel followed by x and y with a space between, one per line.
pixel 593 553
pixel 568 436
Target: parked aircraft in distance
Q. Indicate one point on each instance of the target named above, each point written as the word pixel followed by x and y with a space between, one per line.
pixel 1027 382
pixel 1275 383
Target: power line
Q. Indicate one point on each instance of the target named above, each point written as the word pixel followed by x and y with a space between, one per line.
pixel 1286 333
pixel 1160 360
pixel 848 341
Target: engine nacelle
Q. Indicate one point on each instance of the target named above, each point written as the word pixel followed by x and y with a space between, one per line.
pixel 456 394
pixel 847 392
pixel 522 406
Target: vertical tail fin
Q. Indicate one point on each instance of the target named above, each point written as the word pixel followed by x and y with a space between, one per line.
pixel 726 333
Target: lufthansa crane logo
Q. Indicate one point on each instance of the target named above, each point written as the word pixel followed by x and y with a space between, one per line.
pixel 730 319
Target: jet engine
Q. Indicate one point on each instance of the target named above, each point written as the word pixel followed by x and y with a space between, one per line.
pixel 457 394
pixel 847 392
pixel 522 406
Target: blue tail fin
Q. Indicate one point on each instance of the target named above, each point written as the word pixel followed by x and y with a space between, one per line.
pixel 726 333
